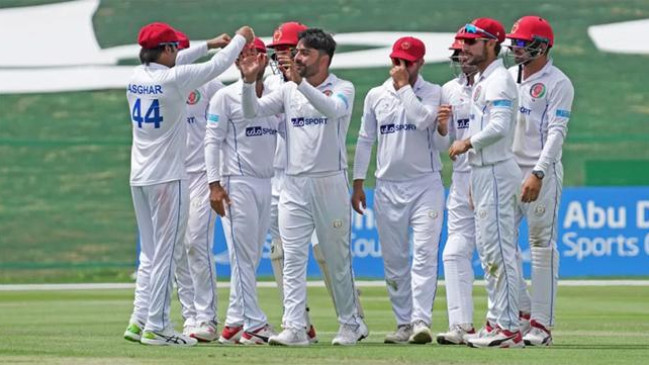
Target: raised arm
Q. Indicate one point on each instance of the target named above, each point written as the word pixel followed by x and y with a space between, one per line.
pixel 189 77
pixel 336 105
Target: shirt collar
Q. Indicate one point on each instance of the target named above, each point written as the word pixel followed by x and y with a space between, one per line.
pixel 328 82
pixel 157 66
pixel 545 70
pixel 491 68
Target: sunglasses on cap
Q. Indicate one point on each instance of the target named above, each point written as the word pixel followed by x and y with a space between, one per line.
pixel 171 44
pixel 397 62
pixel 472 29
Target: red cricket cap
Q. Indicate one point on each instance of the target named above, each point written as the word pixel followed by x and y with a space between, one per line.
pixel 530 28
pixel 259 45
pixel 483 28
pixel 457 44
pixel 409 49
pixel 183 41
pixel 154 34
pixel 287 34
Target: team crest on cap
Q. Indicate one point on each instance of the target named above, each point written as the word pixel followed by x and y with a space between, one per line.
pixel 277 35
pixel 537 90
pixel 194 97
pixel 405 45
pixel 476 94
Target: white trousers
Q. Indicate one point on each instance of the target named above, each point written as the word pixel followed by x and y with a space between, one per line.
pixel 320 203
pixel 495 190
pixel 542 221
pixel 458 251
pixel 277 183
pixel 195 270
pixel 418 203
pixel 161 212
pixel 245 225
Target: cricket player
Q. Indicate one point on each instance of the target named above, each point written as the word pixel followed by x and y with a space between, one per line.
pixel 402 115
pixel 285 39
pixel 195 274
pixel 495 179
pixel 545 98
pixel 239 154
pixel 317 107
pixel 460 245
pixel 156 93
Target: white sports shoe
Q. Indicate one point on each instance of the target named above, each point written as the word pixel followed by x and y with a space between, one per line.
pixel 231 335
pixel 290 337
pixel 538 335
pixel 402 334
pixel 133 332
pixel 485 330
pixel 499 338
pixel 170 338
pixel 188 327
pixel 455 335
pixel 349 335
pixel 205 332
pixel 259 336
pixel 420 333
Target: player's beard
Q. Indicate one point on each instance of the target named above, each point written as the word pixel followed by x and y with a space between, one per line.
pixel 306 71
pixel 476 59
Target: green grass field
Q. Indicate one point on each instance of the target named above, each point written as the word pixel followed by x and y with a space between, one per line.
pixel 65 206
pixel 596 325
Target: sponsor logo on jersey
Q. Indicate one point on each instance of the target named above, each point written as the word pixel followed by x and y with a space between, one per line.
pixel 476 93
pixel 302 121
pixel 524 110
pixel 563 113
pixel 194 97
pixel 537 90
pixel 257 131
pixel 393 128
pixel 463 123
pixel 145 89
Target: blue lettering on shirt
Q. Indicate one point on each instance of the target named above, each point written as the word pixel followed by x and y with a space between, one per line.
pixel 257 131
pixel 145 89
pixel 393 128
pixel 302 121
pixel 524 110
pixel 463 123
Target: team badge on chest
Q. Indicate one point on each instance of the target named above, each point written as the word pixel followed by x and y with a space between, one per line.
pixel 537 90
pixel 194 97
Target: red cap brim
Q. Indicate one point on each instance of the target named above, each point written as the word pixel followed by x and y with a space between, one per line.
pixel 403 56
pixel 470 36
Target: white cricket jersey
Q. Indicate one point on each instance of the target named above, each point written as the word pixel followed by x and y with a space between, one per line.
pixel 197 109
pixel 274 82
pixel 457 93
pixel 316 122
pixel 545 100
pixel 405 123
pixel 234 145
pixel 491 124
pixel 156 95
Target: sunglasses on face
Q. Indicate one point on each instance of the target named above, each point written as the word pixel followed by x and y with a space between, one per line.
pixel 472 29
pixel 520 43
pixel 470 42
pixel 397 62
